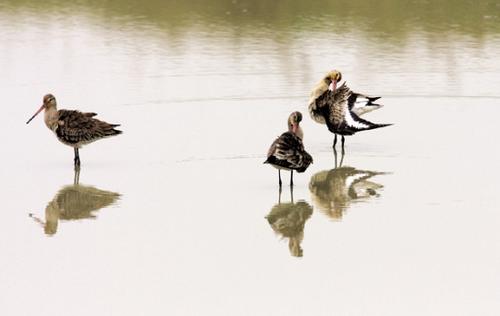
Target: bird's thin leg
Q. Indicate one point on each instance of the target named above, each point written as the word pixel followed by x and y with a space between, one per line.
pixel 334 141
pixel 291 193
pixel 279 177
pixel 291 178
pixel 335 155
pixel 343 141
pixel 77 159
pixel 76 179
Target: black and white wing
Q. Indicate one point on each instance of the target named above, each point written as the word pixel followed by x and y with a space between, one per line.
pixel 361 103
pixel 342 119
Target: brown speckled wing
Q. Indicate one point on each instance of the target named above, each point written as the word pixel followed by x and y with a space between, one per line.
pixel 75 127
pixel 339 104
pixel 287 151
pixel 333 105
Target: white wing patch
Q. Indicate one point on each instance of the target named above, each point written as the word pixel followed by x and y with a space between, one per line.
pixel 351 122
pixel 362 109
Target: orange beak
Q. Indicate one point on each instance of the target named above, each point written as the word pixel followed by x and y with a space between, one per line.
pixel 39 110
pixel 334 85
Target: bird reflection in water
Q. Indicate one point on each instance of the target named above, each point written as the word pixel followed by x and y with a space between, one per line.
pixel 288 220
pixel 334 190
pixel 74 202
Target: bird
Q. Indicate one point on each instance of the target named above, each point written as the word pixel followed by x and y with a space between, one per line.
pixel 329 80
pixel 340 108
pixel 74 128
pixel 287 151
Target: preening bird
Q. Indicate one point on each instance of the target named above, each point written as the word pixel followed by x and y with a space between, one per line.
pixel 287 151
pixel 340 108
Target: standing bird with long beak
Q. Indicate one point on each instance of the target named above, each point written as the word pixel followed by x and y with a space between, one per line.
pixel 340 108
pixel 74 128
pixel 287 151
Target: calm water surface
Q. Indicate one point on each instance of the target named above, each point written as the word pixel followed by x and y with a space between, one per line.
pixel 178 215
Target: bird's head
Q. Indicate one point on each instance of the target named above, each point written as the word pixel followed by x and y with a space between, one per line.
pixel 49 101
pixel 333 77
pixel 295 118
pixel 293 121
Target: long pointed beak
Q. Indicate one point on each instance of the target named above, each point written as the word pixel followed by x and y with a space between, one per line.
pixel 334 85
pixel 39 110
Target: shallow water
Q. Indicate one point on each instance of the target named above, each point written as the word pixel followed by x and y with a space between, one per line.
pixel 186 220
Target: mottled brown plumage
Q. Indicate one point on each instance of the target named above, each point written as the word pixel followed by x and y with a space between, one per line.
pixel 74 128
pixel 331 78
pixel 332 106
pixel 287 151
pixel 360 104
pixel 336 108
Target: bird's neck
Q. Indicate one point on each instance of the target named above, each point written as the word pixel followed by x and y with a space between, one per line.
pixel 297 130
pixel 51 117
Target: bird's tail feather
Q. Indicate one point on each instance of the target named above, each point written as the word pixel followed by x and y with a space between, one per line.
pixel 364 125
pixel 371 99
pixel 361 110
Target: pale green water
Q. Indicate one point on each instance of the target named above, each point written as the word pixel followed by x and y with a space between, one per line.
pixel 201 90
